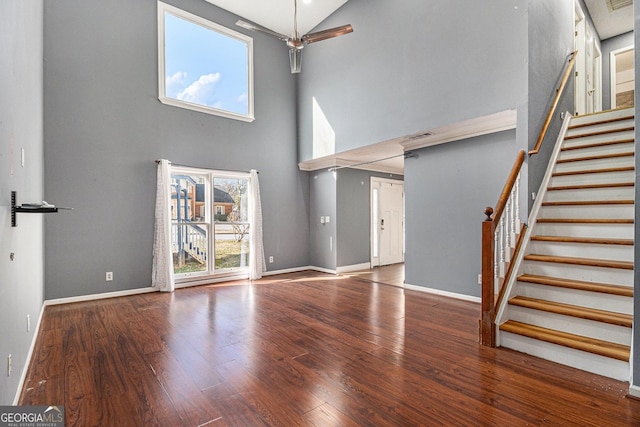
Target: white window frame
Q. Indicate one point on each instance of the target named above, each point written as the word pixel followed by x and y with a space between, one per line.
pixel 162 96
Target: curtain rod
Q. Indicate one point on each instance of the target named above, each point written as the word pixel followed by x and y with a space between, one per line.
pixel 199 167
pixel 407 155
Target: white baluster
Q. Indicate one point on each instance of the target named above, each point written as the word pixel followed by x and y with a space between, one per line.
pixel 507 232
pixel 496 256
pixel 517 199
pixel 502 245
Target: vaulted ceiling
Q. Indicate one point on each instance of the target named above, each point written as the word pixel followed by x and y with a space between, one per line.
pixel 277 15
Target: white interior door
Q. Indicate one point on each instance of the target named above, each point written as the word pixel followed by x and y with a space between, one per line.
pixel 589 76
pixel 391 220
pixel 580 105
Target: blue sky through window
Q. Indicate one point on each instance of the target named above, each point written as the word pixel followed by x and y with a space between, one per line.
pixel 205 67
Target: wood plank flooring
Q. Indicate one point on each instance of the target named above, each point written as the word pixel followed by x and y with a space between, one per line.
pixel 298 350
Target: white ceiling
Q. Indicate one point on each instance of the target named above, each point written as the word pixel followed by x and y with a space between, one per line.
pixel 610 24
pixel 277 15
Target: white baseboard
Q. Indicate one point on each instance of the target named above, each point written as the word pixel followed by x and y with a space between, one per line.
pixel 92 297
pixel 354 267
pixel 634 390
pixel 286 270
pixel 27 362
pixel 443 293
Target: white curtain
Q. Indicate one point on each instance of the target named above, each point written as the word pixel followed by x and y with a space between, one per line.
pixel 257 265
pixel 162 276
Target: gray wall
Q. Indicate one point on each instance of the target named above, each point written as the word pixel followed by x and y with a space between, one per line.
pixel 354 216
pixel 609 45
pixel 447 189
pixel 323 202
pixel 21 280
pixel 636 302
pixel 413 65
pixel 550 43
pixel 104 127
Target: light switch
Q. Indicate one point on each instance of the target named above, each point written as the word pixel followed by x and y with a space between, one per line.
pixel 327 219
pixel 321 220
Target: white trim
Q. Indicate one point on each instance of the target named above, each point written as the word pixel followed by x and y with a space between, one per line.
pixel 92 297
pixel 465 129
pixel 634 390
pixel 354 267
pixel 443 293
pixel 198 20
pixel 210 279
pixel 34 338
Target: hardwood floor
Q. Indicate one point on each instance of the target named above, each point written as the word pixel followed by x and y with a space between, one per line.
pixel 389 274
pixel 301 349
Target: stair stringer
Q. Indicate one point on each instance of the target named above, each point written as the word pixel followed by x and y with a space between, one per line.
pixel 501 311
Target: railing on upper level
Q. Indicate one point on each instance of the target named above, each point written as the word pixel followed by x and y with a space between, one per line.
pixel 499 233
pixel 554 104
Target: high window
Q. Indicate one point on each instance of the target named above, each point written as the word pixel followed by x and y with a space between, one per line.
pixel 204 66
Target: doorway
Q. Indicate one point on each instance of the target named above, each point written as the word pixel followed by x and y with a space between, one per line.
pixel 622 77
pixel 387 221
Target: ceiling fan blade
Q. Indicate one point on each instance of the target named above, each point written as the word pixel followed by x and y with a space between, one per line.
pixel 295 59
pixel 327 34
pixel 254 27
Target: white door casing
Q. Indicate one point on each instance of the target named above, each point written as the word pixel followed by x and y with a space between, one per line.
pixel 387 234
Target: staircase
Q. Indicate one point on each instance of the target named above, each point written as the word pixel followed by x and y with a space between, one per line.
pixel 573 299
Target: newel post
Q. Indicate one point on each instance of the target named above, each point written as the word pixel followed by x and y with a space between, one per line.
pixel 487 327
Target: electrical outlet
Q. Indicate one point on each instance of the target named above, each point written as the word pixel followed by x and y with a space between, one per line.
pixel 109 276
pixel 479 279
pixel 271 259
pixel 9 366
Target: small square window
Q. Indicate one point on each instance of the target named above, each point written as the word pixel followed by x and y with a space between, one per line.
pixel 204 66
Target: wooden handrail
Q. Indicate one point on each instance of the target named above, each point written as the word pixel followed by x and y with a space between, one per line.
pixel 508 186
pixel 552 110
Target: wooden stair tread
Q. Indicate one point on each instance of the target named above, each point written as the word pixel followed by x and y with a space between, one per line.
pixel 588 313
pixel 588 202
pixel 600 132
pixel 591 186
pixel 597 157
pixel 594 240
pixel 587 171
pixel 602 122
pixel 586 220
pixel 591 345
pixel 625 291
pixel 597 144
pixel 623 265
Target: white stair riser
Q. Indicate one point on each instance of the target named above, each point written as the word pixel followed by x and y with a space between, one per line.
pixel 585 194
pixel 613 231
pixel 602 116
pixel 598 300
pixel 593 178
pixel 603 127
pixel 598 139
pixel 589 362
pixel 597 151
pixel 613 276
pixel 572 325
pixel 595 164
pixel 589 211
pixel 583 250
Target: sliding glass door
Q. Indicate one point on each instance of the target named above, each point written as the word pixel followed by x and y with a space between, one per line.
pixel 209 218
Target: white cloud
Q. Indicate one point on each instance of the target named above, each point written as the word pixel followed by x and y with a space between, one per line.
pixel 202 91
pixel 243 98
pixel 175 83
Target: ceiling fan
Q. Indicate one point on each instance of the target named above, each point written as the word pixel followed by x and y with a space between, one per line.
pixel 295 42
